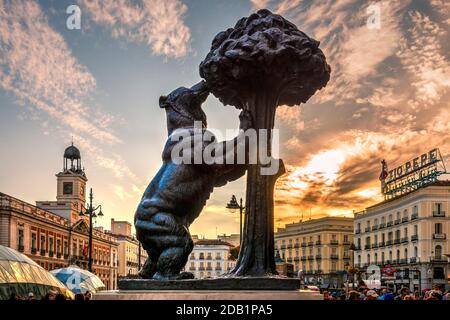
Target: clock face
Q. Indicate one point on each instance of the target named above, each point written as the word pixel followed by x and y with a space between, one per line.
pixel 68 188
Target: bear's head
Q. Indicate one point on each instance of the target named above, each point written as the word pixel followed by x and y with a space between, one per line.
pixel 184 106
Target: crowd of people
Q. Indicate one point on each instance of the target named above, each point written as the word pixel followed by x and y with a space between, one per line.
pixel 52 295
pixel 386 294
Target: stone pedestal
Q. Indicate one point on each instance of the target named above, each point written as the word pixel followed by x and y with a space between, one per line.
pixel 208 295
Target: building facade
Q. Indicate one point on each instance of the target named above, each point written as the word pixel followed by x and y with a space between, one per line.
pixel 130 250
pixel 410 235
pixel 210 259
pixel 317 248
pixel 52 233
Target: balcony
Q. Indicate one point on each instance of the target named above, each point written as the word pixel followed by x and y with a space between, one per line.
pixel 405 240
pixel 42 252
pixel 33 250
pixel 318 256
pixel 414 237
pixel 334 242
pixel 208 268
pixel 21 248
pixel 310 257
pixel 334 256
pixel 303 258
pixel 382 225
pixel 397 221
pixel 374 228
pixel 297 259
pixel 439 213
pixel 201 268
pixel 357 231
pixel 66 256
pixel 405 219
pixel 191 268
pixel 389 224
pixel 58 255
pixel 357 248
pixel 209 258
pixel 375 245
pixel 414 260
pixel 318 243
pixel 367 247
pixel 303 244
pixel 403 261
pixel 310 243
pixel 297 245
pixel 381 244
pixel 283 246
pixel 438 259
pixel 397 241
pixel 346 243
pixel 346 257
pixel 367 229
pixel 218 269
pixel 389 243
pixel 50 254
pixel 439 236
pixel 414 216
pixel 289 246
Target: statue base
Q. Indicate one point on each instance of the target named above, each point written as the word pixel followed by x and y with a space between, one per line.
pixel 235 284
pixel 202 295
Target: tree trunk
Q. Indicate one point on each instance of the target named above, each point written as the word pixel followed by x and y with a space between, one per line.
pixel 256 257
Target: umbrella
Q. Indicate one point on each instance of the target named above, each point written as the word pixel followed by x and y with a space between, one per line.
pixel 21 275
pixel 79 280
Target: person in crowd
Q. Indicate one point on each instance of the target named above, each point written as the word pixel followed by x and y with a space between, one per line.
pixel 79 297
pixel 371 295
pixel 31 296
pixel 14 296
pixel 402 293
pixel 87 295
pixel 60 297
pixel 50 296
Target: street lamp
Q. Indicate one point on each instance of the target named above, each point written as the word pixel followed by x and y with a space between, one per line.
pixel 90 211
pixel 352 248
pixel 234 205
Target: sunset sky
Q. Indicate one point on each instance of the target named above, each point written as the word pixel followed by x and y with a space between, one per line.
pixel 388 97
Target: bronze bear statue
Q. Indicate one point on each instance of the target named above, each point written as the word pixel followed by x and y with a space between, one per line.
pixel 179 191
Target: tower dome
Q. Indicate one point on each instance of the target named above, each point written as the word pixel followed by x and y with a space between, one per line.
pixel 72 153
pixel 72 159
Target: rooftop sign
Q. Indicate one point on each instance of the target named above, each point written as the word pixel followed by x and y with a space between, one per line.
pixel 411 175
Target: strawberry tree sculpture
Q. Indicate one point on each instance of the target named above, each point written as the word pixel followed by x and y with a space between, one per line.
pixel 260 64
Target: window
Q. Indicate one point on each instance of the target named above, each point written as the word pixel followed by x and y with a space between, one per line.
pixel 375 258
pixel 33 242
pixel 438 273
pixel 390 218
pixel 375 223
pixel 50 244
pixel 416 251
pixel 438 252
pixel 405 232
pixel 383 220
pixel 437 209
pixel 58 246
pixel 345 237
pixel 415 210
pixel 20 240
pixel 382 257
pixel 65 249
pixel 438 228
pixel 368 258
pixel 42 243
pixel 416 230
pixel 406 253
pixel 405 213
pixel 397 234
pixel 382 237
pixel 398 215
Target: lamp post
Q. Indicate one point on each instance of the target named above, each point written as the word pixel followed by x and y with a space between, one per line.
pixel 352 249
pixel 234 205
pixel 90 211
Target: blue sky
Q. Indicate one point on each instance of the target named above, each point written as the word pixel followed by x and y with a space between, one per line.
pixel 387 98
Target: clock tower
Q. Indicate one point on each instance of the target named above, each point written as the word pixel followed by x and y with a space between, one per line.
pixel 71 181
